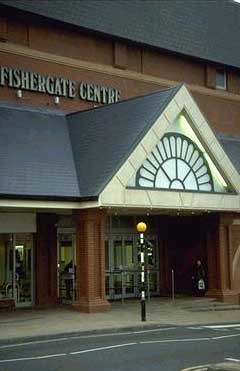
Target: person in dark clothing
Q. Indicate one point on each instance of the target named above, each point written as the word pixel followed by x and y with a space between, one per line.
pixel 69 274
pixel 199 279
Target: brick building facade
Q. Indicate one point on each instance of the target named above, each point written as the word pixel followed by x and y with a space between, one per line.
pixel 84 107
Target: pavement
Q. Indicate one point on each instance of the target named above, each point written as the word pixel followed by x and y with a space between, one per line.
pixel 63 320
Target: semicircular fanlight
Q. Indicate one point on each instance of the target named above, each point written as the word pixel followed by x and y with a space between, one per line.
pixel 175 163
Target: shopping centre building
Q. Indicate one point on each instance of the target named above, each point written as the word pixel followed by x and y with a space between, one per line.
pixel 111 113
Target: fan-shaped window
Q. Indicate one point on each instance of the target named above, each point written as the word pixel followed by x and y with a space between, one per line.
pixel 176 163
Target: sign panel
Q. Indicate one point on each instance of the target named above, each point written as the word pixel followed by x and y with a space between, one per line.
pixel 58 86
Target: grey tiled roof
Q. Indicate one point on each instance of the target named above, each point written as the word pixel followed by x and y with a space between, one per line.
pixel 204 29
pixel 231 146
pixel 47 154
pixel 35 153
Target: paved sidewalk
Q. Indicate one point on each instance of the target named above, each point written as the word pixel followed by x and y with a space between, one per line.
pixel 29 323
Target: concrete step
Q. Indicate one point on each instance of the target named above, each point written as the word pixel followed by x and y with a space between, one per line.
pixel 209 305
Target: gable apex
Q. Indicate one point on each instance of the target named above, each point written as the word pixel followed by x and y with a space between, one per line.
pixel 214 159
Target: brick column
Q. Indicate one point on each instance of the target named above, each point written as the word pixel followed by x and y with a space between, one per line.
pixel 90 261
pixel 220 260
pixel 46 260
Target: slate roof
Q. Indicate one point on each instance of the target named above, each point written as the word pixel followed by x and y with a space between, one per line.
pixel 204 29
pixel 51 155
pixel 35 153
pixel 231 146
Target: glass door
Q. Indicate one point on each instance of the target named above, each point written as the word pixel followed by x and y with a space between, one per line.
pixel 16 273
pixel 6 266
pixel 122 270
pixel 23 269
pixel 66 268
pixel 121 266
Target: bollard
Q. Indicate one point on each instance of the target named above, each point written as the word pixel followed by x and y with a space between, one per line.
pixel 122 278
pixel 173 287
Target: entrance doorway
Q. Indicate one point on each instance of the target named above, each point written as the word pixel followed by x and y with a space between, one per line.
pixel 66 267
pixel 185 243
pixel 16 268
pixel 122 269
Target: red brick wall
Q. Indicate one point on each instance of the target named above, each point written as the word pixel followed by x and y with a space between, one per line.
pixel 222 112
pixel 90 261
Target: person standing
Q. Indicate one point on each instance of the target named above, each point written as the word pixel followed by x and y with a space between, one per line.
pixel 199 279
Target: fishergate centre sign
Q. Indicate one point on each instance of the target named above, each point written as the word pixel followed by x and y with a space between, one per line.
pixel 57 86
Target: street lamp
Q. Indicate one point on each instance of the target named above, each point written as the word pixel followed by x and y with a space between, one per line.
pixel 141 228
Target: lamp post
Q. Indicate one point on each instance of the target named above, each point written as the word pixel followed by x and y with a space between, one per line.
pixel 141 228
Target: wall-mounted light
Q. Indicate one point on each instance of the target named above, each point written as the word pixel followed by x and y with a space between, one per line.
pixel 56 100
pixel 19 93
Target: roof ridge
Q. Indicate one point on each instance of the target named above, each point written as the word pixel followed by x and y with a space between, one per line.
pixel 106 106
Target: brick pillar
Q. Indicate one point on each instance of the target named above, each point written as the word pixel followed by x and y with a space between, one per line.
pixel 90 261
pixel 46 260
pixel 220 260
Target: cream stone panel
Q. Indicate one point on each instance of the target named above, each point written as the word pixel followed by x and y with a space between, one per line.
pixel 196 116
pixel 125 173
pixel 227 165
pixel 207 134
pixel 172 111
pixel 184 99
pixel 137 198
pixel 231 202
pixel 137 157
pixel 235 180
pixel 217 150
pixel 207 201
pixel 186 199
pixel 165 199
pixel 113 193
pixel 149 141
pixel 160 126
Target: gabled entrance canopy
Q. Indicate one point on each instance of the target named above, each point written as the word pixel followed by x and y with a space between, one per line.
pixel 151 152
pixel 178 163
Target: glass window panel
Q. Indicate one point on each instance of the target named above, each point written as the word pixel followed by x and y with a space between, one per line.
pixel 146 174
pixel 23 252
pixel 190 182
pixel 162 151
pixel 153 282
pixel 6 266
pixel 162 180
pixel 167 147
pixel 145 183
pixel 129 283
pixel 107 284
pixel 117 252
pixel 221 78
pixel 151 253
pixel 182 168
pixel 106 255
pixel 129 257
pixel 170 167
pixel 173 146
pixel 147 164
pixel 117 284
